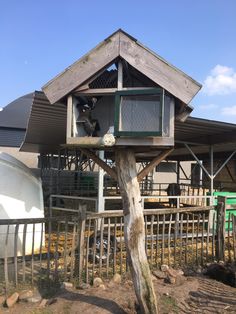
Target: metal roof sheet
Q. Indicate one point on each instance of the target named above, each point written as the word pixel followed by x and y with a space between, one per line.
pixel 16 114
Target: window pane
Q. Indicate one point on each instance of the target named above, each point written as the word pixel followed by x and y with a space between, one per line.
pixel 140 113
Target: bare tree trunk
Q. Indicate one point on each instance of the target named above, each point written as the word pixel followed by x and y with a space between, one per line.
pixel 134 230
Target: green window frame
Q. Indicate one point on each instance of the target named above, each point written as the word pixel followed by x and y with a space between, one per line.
pixel 154 92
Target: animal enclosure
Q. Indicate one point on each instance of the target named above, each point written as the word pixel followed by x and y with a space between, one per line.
pixel 78 248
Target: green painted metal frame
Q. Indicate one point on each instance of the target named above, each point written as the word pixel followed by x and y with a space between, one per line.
pixel 154 91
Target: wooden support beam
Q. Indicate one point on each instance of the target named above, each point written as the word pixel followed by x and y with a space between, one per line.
pixel 155 162
pixel 99 162
pixel 134 232
pixel 120 76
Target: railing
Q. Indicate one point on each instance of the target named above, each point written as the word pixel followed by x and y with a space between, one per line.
pixel 77 247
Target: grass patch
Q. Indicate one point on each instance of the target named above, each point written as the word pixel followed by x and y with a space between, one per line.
pixel 168 305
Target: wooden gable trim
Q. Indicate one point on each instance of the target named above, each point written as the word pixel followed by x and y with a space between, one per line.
pixel 158 70
pixel 126 47
pixel 79 72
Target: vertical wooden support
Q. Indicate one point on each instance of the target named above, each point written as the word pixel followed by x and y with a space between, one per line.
pixel 220 232
pixel 134 230
pixel 69 116
pixel 100 204
pixel 81 231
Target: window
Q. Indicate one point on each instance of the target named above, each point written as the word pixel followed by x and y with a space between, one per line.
pixel 139 112
pixel 169 167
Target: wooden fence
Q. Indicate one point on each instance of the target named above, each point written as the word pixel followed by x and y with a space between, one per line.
pixel 82 246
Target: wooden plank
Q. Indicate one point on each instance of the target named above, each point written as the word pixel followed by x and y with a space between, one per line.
pixel 155 162
pixel 101 247
pixel 106 141
pixel 220 246
pixel 181 238
pixel 86 91
pixel 40 250
pixel 120 75
pixel 87 252
pixel 100 57
pixel 15 253
pixel 157 69
pixel 121 245
pixel 23 250
pixel 186 241
pixel 6 258
pixel 144 142
pixel 160 211
pixel 100 162
pixel 163 240
pixel 108 245
pixel 69 116
pixel 169 233
pixel 234 235
pixel 229 251
pixel 32 254
pixel 115 247
pixel 72 266
pixel 65 249
pixel 157 236
pixel 48 250
pixel 94 246
pixel 151 231
pixel 81 243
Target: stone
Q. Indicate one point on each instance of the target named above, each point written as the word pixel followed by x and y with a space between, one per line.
pixel 179 280
pixel 170 279
pixel 102 287
pixel 159 274
pixel 51 301
pixel 2 299
pixel 171 272
pixel 116 278
pixel 84 286
pixel 24 295
pixel 43 303
pixel 67 285
pixel 180 272
pixel 34 299
pixel 164 267
pixel 97 282
pixel 12 299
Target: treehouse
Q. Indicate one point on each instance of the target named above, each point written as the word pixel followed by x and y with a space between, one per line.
pixel 122 94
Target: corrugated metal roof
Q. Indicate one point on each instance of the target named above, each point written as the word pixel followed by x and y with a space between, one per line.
pixel 47 131
pixel 46 128
pixel 16 114
pixel 11 137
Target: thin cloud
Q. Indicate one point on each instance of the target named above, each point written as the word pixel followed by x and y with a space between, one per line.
pixel 208 106
pixel 229 111
pixel 221 81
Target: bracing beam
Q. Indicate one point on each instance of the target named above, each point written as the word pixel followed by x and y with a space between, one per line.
pixel 155 162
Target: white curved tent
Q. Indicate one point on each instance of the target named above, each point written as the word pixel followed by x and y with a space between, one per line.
pixel 20 197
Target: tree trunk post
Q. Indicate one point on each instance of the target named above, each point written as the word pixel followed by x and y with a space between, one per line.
pixel 134 230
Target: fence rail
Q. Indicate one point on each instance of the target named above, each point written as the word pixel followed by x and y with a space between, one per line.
pixel 78 246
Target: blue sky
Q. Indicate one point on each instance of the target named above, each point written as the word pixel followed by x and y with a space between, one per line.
pixel 41 38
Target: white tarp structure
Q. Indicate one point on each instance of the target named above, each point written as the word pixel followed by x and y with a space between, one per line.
pixel 21 197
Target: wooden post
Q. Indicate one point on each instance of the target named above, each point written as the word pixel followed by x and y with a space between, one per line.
pixel 220 231
pixel 134 230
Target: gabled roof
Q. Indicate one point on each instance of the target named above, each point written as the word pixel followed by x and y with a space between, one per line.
pixel 122 45
pixel 16 114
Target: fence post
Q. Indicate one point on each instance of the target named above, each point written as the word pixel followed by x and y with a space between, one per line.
pixel 220 228
pixel 81 231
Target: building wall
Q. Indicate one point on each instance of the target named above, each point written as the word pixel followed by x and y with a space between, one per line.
pixel 29 159
pixel 227 181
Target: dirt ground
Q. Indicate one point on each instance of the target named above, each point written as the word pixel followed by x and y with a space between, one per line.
pixel 196 294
